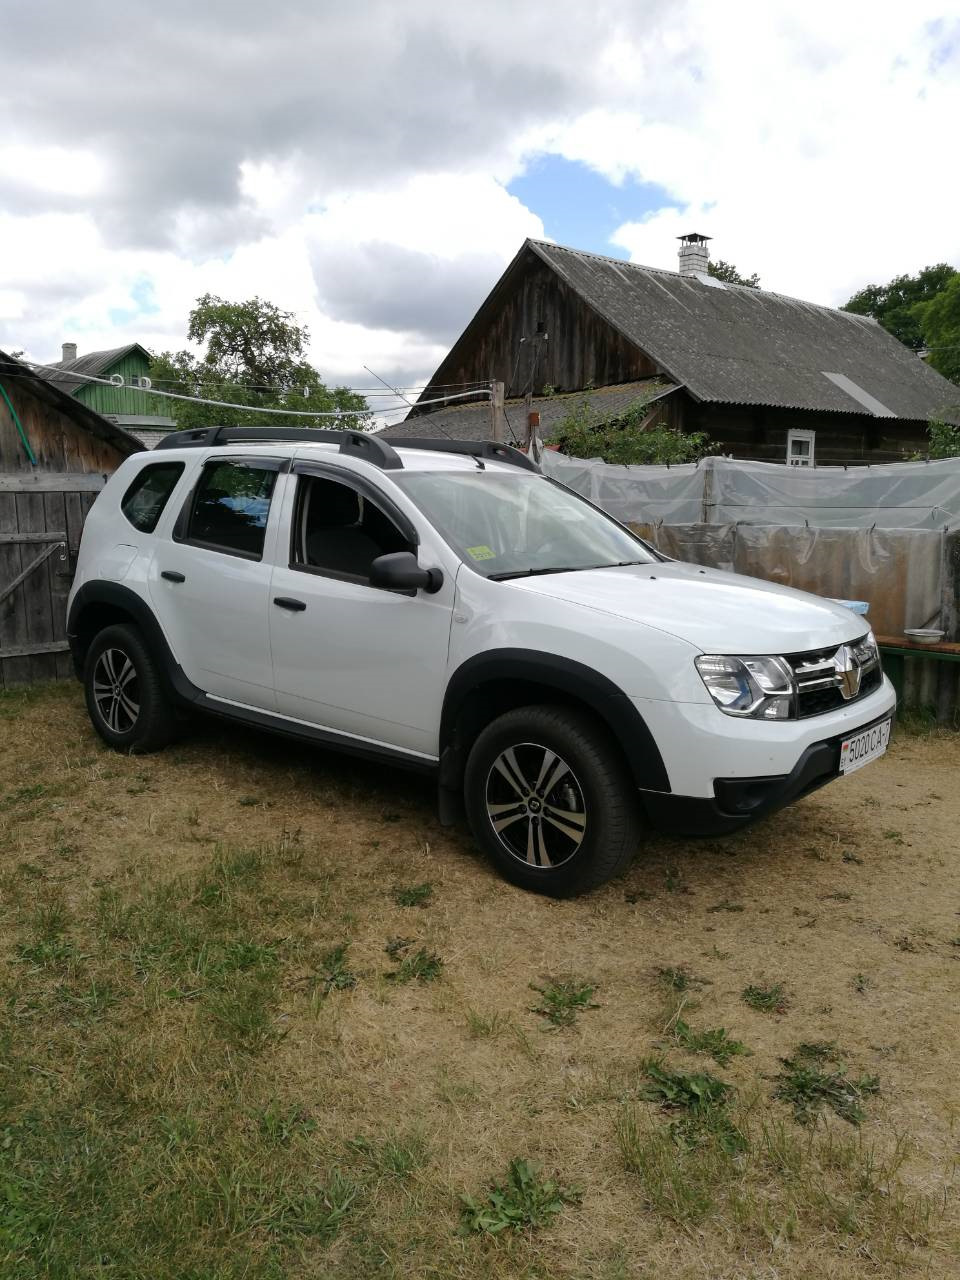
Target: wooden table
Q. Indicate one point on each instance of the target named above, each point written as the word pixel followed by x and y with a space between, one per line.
pixel 897 650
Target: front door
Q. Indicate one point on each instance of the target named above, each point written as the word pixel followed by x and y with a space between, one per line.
pixel 348 657
pixel 209 581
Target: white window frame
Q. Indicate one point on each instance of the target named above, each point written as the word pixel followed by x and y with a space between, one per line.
pixel 798 460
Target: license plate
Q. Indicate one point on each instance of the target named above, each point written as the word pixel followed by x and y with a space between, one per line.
pixel 865 746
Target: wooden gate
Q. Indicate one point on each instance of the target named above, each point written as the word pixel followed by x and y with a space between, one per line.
pixel 41 518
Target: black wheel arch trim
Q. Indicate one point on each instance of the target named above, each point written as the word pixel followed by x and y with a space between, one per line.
pixel 597 692
pixel 117 596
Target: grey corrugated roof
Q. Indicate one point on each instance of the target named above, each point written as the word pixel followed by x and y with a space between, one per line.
pixel 748 346
pixel 472 421
pixel 94 364
pixel 149 437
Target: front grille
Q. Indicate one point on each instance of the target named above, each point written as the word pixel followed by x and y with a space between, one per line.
pixel 819 678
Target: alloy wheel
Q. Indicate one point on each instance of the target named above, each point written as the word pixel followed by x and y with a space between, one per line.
pixel 116 690
pixel 535 805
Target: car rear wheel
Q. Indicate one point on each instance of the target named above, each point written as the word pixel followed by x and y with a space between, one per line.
pixel 124 693
pixel 548 798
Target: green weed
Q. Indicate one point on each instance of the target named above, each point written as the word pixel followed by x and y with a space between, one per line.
pixel 397 946
pixel 413 895
pixel 696 1091
pixel 23 796
pixel 525 1201
pixel 420 966
pixel 680 979
pixel 396 1157
pixel 808 1088
pixel 714 1041
pixel 50 918
pixel 334 974
pixel 766 999
pixel 701 1102
pixel 317 1214
pixel 563 1000
pixel 48 953
pixel 280 1122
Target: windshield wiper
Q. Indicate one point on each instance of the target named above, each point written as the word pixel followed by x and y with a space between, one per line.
pixel 570 568
pixel 533 573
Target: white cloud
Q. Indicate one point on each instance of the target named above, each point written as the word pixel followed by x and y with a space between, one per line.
pixel 351 165
pixel 815 153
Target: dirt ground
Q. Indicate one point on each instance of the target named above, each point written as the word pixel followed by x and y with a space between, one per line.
pixel 850 900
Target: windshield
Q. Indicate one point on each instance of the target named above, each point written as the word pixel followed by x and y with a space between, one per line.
pixel 512 525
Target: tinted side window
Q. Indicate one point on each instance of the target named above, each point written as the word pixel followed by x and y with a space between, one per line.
pixel 340 531
pixel 231 505
pixel 146 497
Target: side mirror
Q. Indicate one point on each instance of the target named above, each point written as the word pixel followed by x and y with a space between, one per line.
pixel 399 571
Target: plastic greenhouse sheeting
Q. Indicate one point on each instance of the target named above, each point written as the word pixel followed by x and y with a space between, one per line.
pixel 899 495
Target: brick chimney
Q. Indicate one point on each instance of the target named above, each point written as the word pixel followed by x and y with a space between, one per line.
pixel 694 255
pixel 69 352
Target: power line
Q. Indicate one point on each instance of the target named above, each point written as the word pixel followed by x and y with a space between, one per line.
pixel 249 408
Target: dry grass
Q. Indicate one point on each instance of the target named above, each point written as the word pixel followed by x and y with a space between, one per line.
pixel 206 1069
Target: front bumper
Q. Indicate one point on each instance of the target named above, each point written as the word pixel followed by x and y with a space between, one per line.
pixel 737 801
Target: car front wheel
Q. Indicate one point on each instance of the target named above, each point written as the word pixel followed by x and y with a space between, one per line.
pixel 124 693
pixel 549 799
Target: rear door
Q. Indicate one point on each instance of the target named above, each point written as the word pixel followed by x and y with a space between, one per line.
pixel 209 579
pixel 348 657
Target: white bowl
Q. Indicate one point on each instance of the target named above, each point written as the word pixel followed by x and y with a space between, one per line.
pixel 924 635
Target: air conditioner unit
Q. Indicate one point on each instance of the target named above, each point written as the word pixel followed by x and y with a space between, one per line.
pixel 143 383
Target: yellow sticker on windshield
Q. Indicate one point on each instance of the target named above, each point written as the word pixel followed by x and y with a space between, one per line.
pixel 481 553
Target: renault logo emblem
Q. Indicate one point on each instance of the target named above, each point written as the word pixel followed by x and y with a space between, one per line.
pixel 848 672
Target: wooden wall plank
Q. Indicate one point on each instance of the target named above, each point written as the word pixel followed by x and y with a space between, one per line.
pixel 13 621
pixel 52 482
pixel 61 574
pixel 35 590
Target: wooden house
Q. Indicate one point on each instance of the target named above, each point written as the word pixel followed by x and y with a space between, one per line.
pixel 125 401
pixel 765 376
pixel 55 456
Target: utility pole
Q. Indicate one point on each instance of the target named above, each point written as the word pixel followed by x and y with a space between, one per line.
pixel 496 411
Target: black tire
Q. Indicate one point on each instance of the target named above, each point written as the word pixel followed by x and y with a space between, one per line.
pixel 567 811
pixel 125 694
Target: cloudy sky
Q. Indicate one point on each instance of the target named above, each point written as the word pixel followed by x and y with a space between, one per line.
pixel 373 166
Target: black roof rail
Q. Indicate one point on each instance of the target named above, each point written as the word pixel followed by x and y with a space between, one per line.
pixel 490 449
pixel 354 444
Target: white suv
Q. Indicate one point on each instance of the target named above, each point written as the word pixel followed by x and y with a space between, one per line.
pixel 444 606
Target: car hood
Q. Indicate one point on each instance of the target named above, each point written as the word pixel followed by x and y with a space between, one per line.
pixel 716 611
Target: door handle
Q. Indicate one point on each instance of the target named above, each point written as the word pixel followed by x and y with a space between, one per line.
pixel 287 602
pixel 172 576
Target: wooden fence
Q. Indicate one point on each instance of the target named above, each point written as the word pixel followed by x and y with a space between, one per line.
pixel 41 518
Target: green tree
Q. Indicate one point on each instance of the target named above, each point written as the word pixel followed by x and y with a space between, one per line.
pixel 943 441
pixel 895 304
pixel 939 321
pixel 727 272
pixel 585 432
pixel 255 354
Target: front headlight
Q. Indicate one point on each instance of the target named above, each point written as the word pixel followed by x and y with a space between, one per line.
pixel 757 687
pixel 865 650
